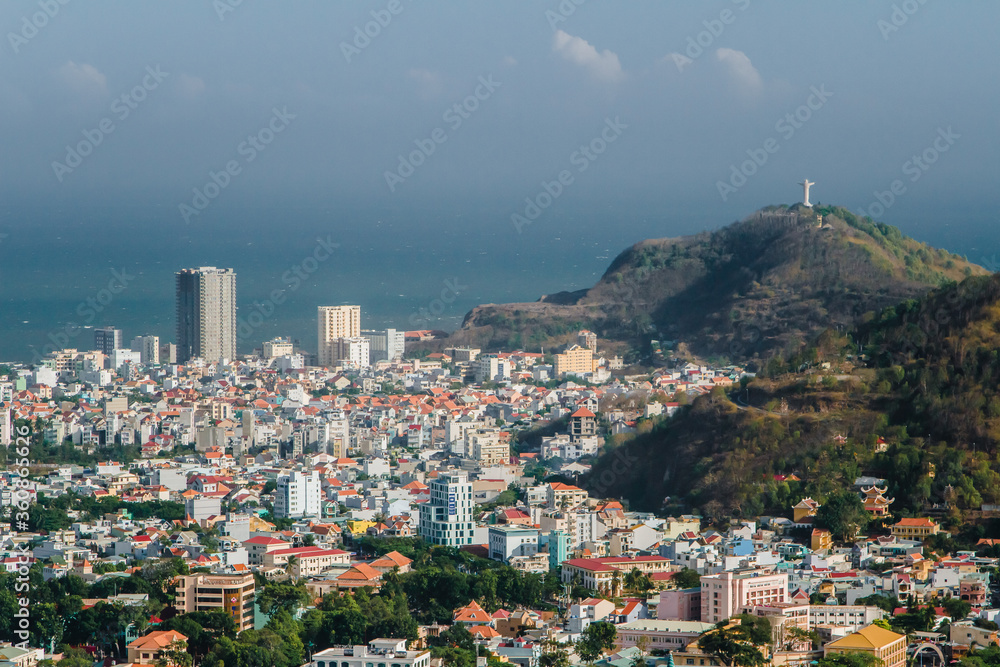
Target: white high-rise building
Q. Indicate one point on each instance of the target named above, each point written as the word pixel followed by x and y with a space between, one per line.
pixel 148 348
pixel 385 345
pixel 206 314
pixel 298 495
pixel 353 351
pixel 6 428
pixel 447 518
pixel 336 322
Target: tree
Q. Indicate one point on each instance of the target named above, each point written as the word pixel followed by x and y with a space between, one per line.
pixel 734 646
pixel 686 578
pixel 282 595
pixel 957 608
pixel 174 654
pixel 843 514
pixel 75 657
pixel 597 638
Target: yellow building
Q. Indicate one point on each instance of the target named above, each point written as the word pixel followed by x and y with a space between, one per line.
pixel 915 529
pixel 231 593
pixel 575 361
pixel 885 645
pixel 821 540
pixel 805 508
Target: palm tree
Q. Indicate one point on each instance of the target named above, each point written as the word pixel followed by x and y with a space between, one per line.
pixel 290 566
pixel 616 582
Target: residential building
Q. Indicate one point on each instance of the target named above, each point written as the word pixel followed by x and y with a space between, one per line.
pixel 853 616
pixel 206 314
pixel 148 348
pixel 679 604
pixel 277 347
pixel 147 649
pixel 307 561
pixel 598 573
pixel 885 645
pixel 575 361
pixel 726 594
pixel 260 546
pixel 378 653
pixel 506 542
pixel 447 517
pixel 582 424
pixel 107 339
pixel 336 322
pixel 351 351
pixel 385 345
pixel 232 593
pixel 587 339
pixel 564 495
pixel 298 495
pixel 662 635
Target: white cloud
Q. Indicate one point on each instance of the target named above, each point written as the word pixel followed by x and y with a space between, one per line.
pixel 603 66
pixel 190 86
pixel 740 68
pixel 83 78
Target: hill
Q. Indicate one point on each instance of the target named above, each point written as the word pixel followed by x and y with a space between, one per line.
pixel 769 282
pixel 920 409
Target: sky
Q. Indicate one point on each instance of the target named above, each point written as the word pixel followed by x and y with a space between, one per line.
pixel 530 141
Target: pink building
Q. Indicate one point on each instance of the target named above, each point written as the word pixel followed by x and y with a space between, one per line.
pixel 728 593
pixel 679 605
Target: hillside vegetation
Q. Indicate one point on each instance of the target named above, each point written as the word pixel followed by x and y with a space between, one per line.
pixel 920 408
pixel 768 283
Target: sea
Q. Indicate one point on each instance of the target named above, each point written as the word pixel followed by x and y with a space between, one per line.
pixel 66 268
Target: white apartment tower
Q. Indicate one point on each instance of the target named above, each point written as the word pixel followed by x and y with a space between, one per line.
pixel 297 495
pixel 336 322
pixel 148 348
pixel 447 518
pixel 206 314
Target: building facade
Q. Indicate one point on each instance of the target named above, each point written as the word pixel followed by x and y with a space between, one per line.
pixel 297 495
pixel 232 593
pixel 336 322
pixel 206 314
pixel 725 594
pixel 447 518
pixel 107 339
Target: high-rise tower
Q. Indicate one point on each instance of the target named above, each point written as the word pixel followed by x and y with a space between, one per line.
pixel 206 314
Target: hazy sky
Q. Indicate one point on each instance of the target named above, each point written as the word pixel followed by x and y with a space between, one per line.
pixel 310 114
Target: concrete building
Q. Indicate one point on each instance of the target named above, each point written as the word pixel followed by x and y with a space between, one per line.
pixel 679 604
pixel 587 339
pixel 447 518
pixel 726 594
pixel 506 542
pixel 202 507
pixel 575 361
pixel 385 345
pixel 107 339
pixel 146 650
pixel 379 652
pixel 206 314
pixel 297 495
pixel 662 635
pixel 231 593
pixel 352 351
pixel 491 368
pixel 148 348
pixel 336 322
pixel 852 616
pixel 277 347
